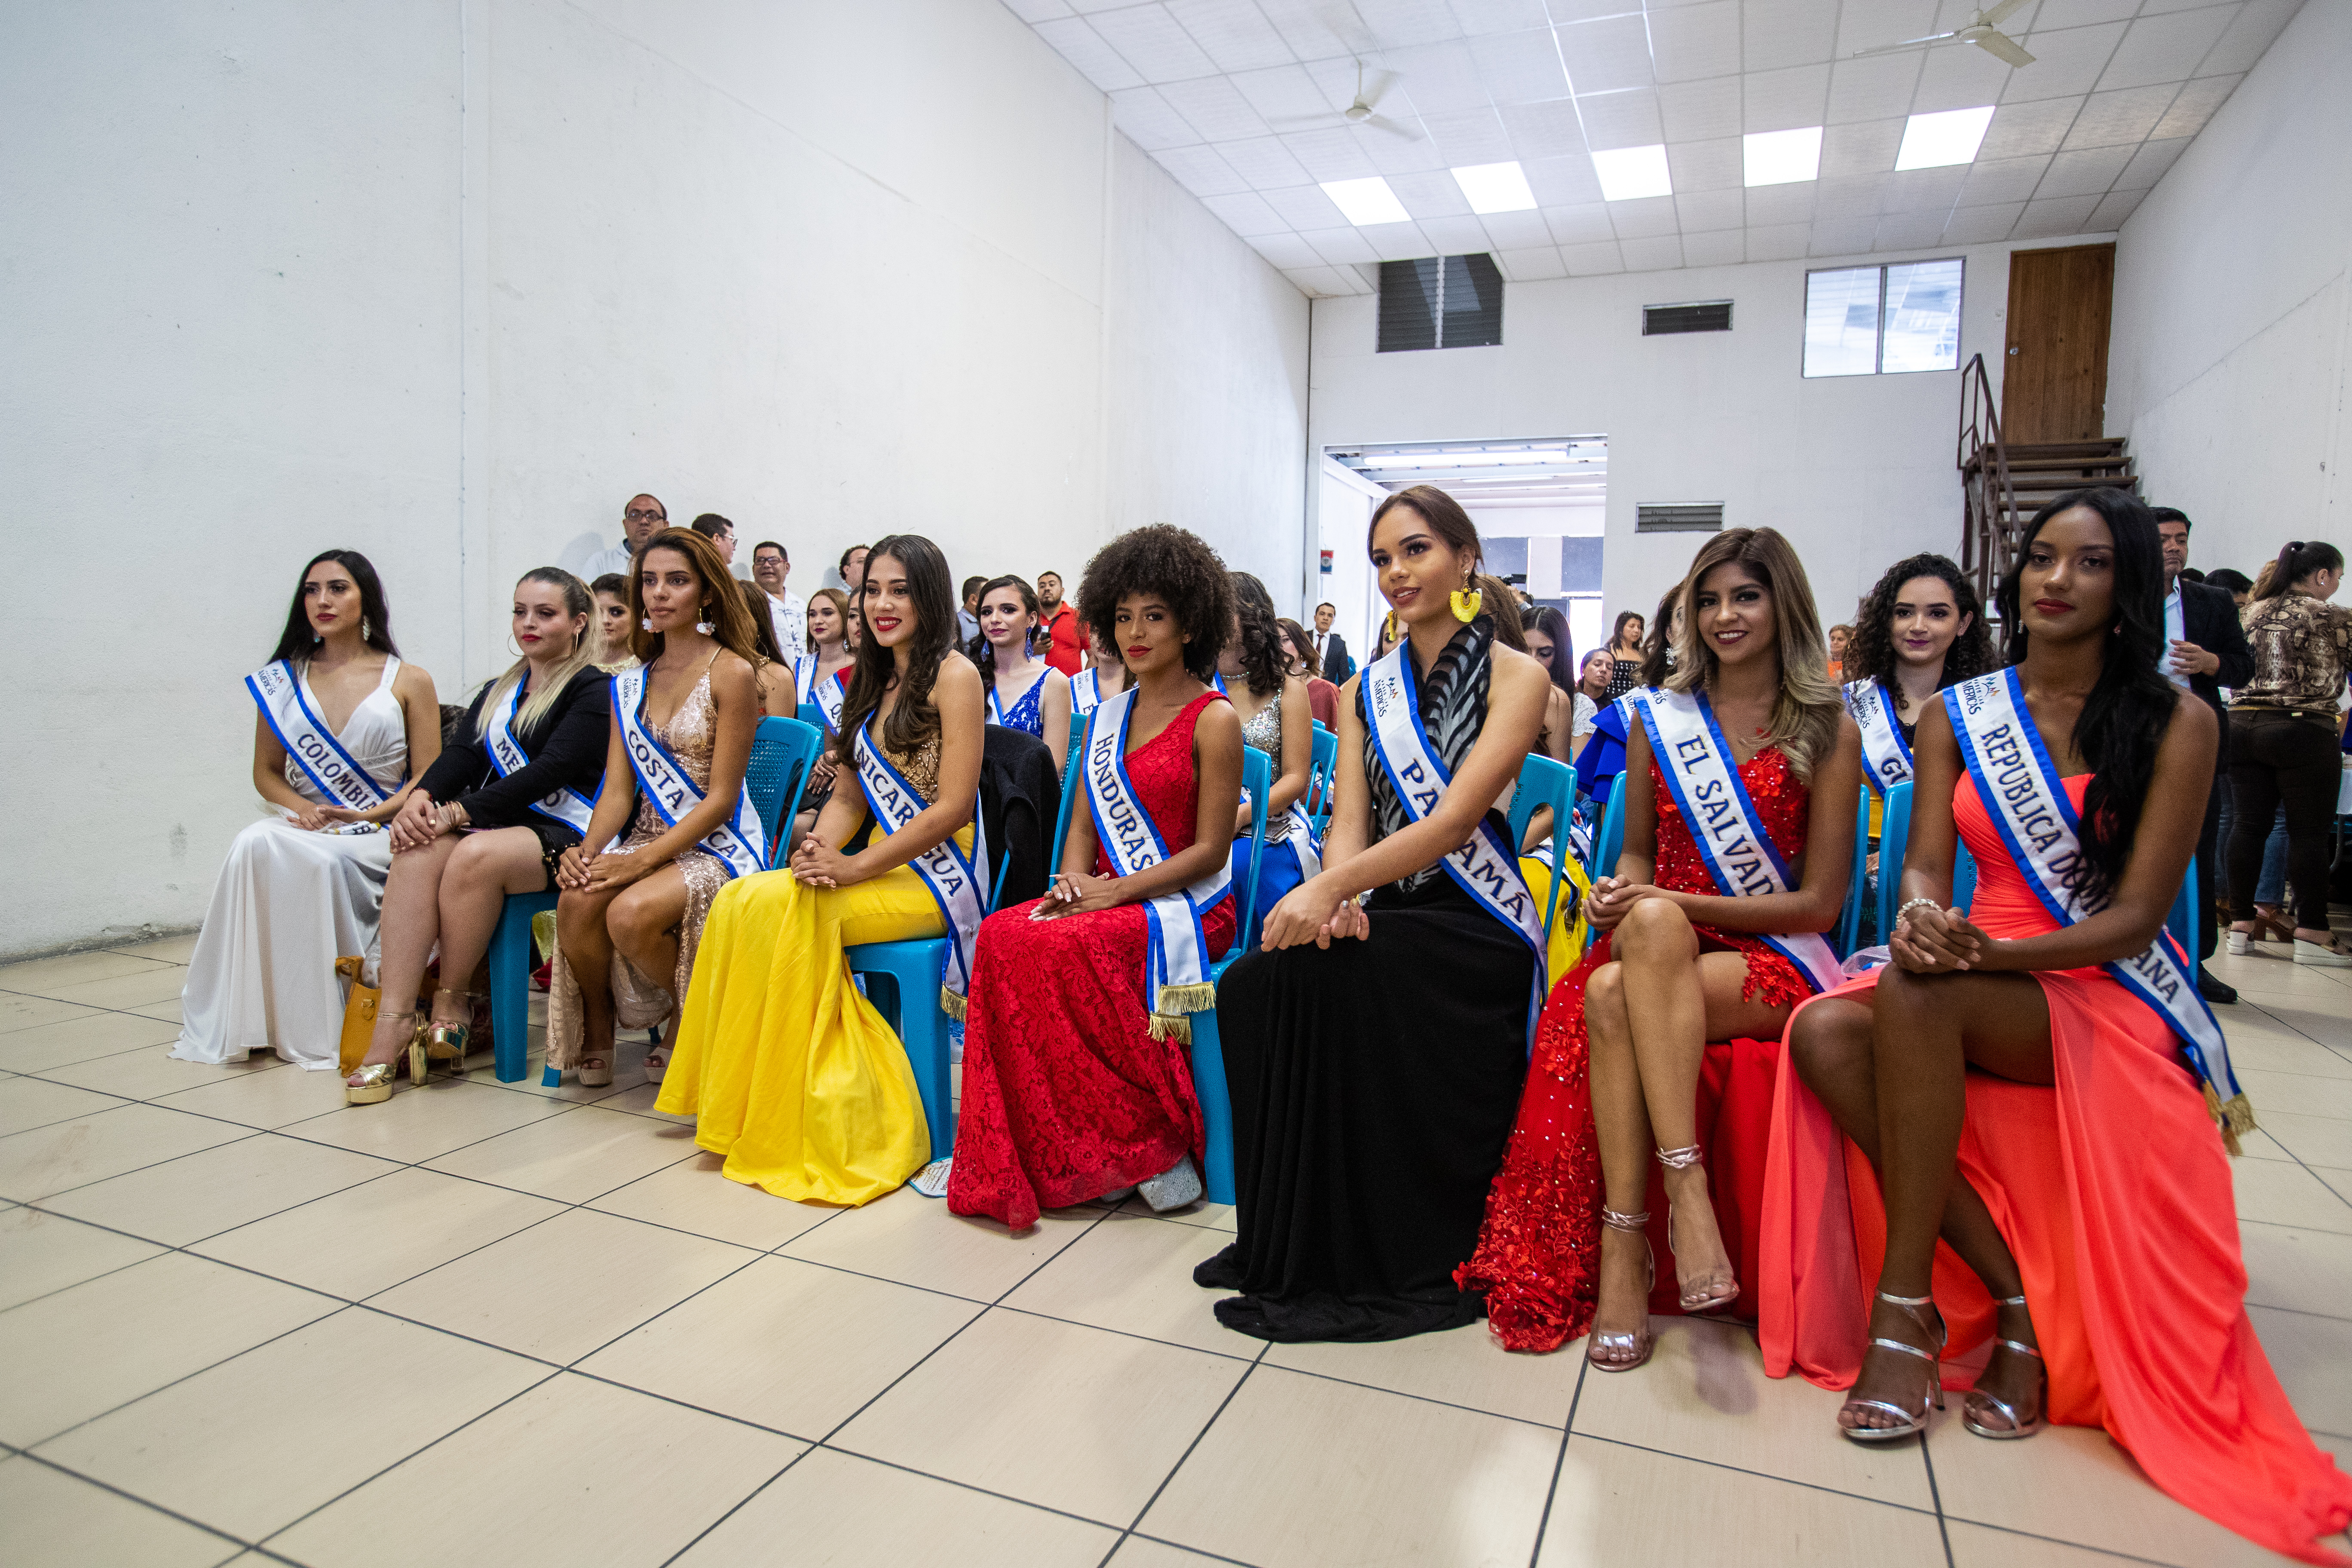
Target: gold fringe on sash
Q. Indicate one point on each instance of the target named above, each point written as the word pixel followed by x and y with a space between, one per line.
pixel 1170 1027
pixel 2235 1118
pixel 1170 1019
pixel 952 1004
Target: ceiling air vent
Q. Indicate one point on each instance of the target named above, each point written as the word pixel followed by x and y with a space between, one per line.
pixel 1703 316
pixel 1678 516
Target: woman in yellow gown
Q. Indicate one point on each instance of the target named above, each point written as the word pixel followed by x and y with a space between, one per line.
pixel 789 1071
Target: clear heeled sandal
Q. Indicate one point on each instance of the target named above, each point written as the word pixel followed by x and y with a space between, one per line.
pixel 1979 1403
pixel 1913 1421
pixel 1638 1344
pixel 1695 1300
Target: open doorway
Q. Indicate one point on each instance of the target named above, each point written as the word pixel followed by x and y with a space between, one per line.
pixel 1539 506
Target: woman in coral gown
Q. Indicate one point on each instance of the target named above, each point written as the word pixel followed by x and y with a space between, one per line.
pixel 1076 1081
pixel 2024 1079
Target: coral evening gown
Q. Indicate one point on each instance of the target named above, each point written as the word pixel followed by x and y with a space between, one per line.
pixel 1066 1095
pixel 2112 1189
pixel 1538 1255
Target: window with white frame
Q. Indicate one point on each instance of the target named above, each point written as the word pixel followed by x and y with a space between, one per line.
pixel 1884 320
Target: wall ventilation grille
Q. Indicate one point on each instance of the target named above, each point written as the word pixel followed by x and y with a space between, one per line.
pixel 1703 316
pixel 1678 516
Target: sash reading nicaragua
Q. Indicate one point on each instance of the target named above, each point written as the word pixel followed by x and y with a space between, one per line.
pixel 567 805
pixel 2021 791
pixel 739 843
pixel 1741 855
pixel 954 885
pixel 337 774
pixel 1484 867
pixel 1887 759
pixel 1175 964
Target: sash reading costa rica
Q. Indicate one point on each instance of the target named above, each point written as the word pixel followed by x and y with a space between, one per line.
pixel 2021 791
pixel 568 807
pixel 951 878
pixel 277 691
pixel 739 843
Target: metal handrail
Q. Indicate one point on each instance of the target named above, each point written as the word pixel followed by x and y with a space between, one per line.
pixel 1988 497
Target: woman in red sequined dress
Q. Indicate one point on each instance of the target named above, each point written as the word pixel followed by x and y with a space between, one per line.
pixel 1073 1088
pixel 1677 1011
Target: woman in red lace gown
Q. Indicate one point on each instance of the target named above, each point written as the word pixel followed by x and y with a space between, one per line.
pixel 1073 1086
pixel 1667 1035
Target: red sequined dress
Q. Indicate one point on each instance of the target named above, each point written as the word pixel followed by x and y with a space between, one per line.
pixel 1065 1094
pixel 1538 1255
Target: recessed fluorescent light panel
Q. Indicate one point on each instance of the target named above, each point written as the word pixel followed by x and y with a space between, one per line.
pixel 1495 189
pixel 1366 202
pixel 1782 157
pixel 1934 140
pixel 1629 173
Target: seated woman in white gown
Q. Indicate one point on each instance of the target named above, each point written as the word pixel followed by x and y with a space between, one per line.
pixel 343 727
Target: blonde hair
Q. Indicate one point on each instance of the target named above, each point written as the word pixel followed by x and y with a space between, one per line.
pixel 577 601
pixel 1805 714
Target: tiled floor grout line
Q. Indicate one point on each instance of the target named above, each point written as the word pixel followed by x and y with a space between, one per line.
pixel 241 1545
pixel 738 1506
pixel 1763 1475
pixel 1936 1492
pixel 1190 1449
pixel 1558 1462
pixel 2077 1546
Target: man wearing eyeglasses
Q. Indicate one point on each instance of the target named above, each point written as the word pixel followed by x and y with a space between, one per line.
pixel 643 517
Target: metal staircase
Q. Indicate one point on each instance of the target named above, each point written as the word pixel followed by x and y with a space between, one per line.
pixel 2004 483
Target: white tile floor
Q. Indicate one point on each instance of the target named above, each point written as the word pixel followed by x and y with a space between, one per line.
pixel 490 1324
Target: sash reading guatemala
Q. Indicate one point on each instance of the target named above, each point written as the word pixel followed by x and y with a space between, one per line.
pixel 1741 855
pixel 2022 792
pixel 568 807
pixel 739 843
pixel 1873 710
pixel 1175 964
pixel 1484 867
pixel 954 885
pixel 337 774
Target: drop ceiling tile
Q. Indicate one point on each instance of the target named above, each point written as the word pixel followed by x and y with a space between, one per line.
pixel 2257 24
pixel 1644 219
pixel 1397 241
pixel 2165 48
pixel 1430 193
pixel 1326 282
pixel 1265 163
pixel 1779 241
pixel 1483 16
pixel 1150 39
pixel 1215 109
pixel 1719 247
pixel 1436 78
pixel 2149 161
pixel 1545 130
pixel 1084 47
pixel 1338 246
pixel 1246 215
pixel 1924 190
pixel 1773 205
pixel 1700 110
pixel 1607 56
pixel 1584 225
pixel 1531 265
pixel 2065 62
pixel 1909 231
pixel 1287 92
pixel 1883 22
pixel 1878 87
pixel 1520 67
pixel 1455 235
pixel 1234 33
pixel 2062 215
pixel 1712 165
pixel 1312 30
pixel 1613 119
pixel 2195 106
pixel 1788 33
pixel 1983 225
pixel 1842 237
pixel 2119 118
pixel 1304 208
pixel 1330 155
pixel 1840 199
pixel 1958 76
pixel 1785 99
pixel 1588 260
pixel 1593 10
pixel 1088 7
pixel 2023 130
pixel 1409 21
pixel 1394 155
pixel 1468 136
pixel 1037 10
pixel 1692 42
pixel 1201 171
pixel 1868 148
pixel 1703 210
pixel 1285 250
pixel 1991 182
pixel 2116 207
pixel 1515 231
pixel 1144 116
pixel 2084 173
pixel 1566 180
pixel 1659 255
pixel 2058 14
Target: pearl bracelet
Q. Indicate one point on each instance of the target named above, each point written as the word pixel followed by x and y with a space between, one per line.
pixel 1905 912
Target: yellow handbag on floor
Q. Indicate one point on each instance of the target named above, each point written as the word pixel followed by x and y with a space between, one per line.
pixel 359 1014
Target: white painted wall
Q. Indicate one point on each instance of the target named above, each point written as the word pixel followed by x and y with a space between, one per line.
pixel 446 284
pixel 2231 364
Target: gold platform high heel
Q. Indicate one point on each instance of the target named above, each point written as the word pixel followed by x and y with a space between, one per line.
pixel 1913 1421
pixel 1694 1301
pixel 375 1085
pixel 448 1043
pixel 1640 1342
pixel 1979 1403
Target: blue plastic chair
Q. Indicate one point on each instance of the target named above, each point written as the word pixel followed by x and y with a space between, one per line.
pixel 782 752
pixel 807 715
pixel 1321 773
pixel 1848 929
pixel 1543 781
pixel 2181 921
pixel 1079 724
pixel 1208 1047
pixel 1610 841
pixel 511 967
pixel 1894 842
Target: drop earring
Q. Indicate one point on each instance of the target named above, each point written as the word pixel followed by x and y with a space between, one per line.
pixel 1465 602
pixel 703 626
pixel 646 622
pixel 1389 628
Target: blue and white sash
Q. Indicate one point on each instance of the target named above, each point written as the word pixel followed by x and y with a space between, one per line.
pixel 955 885
pixel 277 691
pixel 1086 691
pixel 2022 792
pixel 827 696
pixel 1176 960
pixel 1741 855
pixel 1484 866
pixel 739 843
pixel 566 806
pixel 1886 759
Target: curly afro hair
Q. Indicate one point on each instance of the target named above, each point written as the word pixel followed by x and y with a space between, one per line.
pixel 1173 565
pixel 1870 651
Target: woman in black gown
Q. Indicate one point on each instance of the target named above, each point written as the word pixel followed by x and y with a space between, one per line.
pixel 1374 1052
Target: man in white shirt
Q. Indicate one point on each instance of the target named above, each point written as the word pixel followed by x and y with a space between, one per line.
pixel 643 517
pixel 789 612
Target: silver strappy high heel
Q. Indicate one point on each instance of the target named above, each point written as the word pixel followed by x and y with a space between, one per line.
pixel 1914 1422
pixel 1981 1403
pixel 1640 1342
pixel 1694 1301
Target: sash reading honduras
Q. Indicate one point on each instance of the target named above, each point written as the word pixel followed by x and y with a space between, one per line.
pixel 1484 867
pixel 1175 967
pixel 954 884
pixel 336 772
pixel 1888 759
pixel 568 807
pixel 1741 855
pixel 739 843
pixel 2021 791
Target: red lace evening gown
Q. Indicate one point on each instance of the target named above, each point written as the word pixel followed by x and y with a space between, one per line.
pixel 1065 1094
pixel 1539 1251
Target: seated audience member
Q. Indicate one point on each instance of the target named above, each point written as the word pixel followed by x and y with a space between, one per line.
pixel 793 1076
pixel 1077 1080
pixel 1104 676
pixel 2052 1179
pixel 1592 691
pixel 1840 635
pixel 1322 696
pixel 772 567
pixel 824 672
pixel 852 567
pixel 1374 1051
pixel 968 616
pixel 492 817
pixel 1547 645
pixel 721 532
pixel 1024 692
pixel 630 914
pixel 1270 704
pixel 641 519
pixel 1066 650
pixel 613 628
pixel 1603 755
pixel 2241 587
pixel 343 727
pixel 780 697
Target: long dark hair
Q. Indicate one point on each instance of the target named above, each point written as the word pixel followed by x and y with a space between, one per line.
pixel 1657 643
pixel 1870 651
pixel 916 718
pixel 729 617
pixel 375 621
pixel 1551 622
pixel 1453 527
pixel 1300 643
pixel 2298 561
pixel 2124 718
pixel 764 626
pixel 983 651
pixel 1617 632
pixel 1261 635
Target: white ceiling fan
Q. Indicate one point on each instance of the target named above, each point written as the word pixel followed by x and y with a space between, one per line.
pixel 1364 111
pixel 1980 31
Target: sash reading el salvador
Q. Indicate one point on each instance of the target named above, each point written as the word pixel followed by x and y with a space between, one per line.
pixel 739 843
pixel 337 774
pixel 1741 857
pixel 954 885
pixel 2019 787
pixel 1887 758
pixel 568 807
pixel 1176 965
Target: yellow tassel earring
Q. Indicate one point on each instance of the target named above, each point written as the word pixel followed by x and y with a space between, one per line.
pixel 1465 601
pixel 1388 628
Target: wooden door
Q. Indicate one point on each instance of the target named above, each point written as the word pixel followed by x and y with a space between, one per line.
pixel 2054 385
